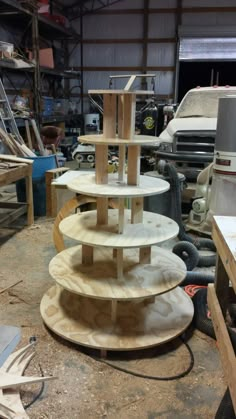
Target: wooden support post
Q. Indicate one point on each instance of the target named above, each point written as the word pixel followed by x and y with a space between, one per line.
pixel 121 170
pixel 102 211
pixel 28 135
pixel 133 165
pixel 113 310
pixel 29 197
pixel 101 164
pixel 150 300
pixel 222 285
pixel 114 253
pixel 109 115
pixel 121 215
pixel 120 115
pixel 119 263
pixel 87 254
pixel 51 193
pixel 137 210
pixel 103 353
pixel 145 255
pixel 126 116
pixel 223 342
pixel 51 196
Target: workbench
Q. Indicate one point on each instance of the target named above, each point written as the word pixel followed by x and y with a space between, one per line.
pixel 223 291
pixel 13 168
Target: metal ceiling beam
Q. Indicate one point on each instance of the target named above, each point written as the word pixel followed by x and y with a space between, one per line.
pixel 84 7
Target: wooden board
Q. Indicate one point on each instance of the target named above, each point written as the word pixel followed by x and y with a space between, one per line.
pixel 136 140
pixel 224 344
pixel 126 116
pixel 148 186
pixel 227 227
pixel 88 322
pixel 224 236
pixel 120 92
pixel 83 227
pixel 165 272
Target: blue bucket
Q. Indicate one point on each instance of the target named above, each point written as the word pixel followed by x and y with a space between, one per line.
pixel 40 166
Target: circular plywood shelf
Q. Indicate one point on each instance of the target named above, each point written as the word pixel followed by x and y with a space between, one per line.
pixel 139 325
pixel 87 185
pixel 165 272
pixel 137 140
pixel 120 92
pixel 83 227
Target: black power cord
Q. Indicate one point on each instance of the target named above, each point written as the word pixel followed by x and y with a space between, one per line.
pixel 39 393
pixel 151 377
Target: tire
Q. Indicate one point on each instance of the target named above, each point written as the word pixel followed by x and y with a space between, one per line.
pixel 79 157
pixel 90 158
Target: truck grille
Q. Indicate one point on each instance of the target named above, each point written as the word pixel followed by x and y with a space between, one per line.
pixel 194 143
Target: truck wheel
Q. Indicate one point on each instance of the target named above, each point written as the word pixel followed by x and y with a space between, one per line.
pixel 90 158
pixel 79 157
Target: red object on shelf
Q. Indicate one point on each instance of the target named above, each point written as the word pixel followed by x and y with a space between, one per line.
pixel 61 20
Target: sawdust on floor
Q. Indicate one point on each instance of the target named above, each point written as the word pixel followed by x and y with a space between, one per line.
pixel 86 388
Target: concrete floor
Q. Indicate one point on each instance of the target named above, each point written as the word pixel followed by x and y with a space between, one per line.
pixel 86 388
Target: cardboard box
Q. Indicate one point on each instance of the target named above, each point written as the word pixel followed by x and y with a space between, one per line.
pixel 46 58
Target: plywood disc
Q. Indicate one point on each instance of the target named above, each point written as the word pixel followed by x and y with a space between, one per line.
pixel 88 322
pixel 136 140
pixel 99 280
pixel 83 227
pixel 86 185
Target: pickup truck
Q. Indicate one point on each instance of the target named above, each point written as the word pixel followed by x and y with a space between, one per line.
pixel 189 138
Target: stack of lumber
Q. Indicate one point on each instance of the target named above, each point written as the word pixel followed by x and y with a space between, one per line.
pixel 14 147
pixel 17 147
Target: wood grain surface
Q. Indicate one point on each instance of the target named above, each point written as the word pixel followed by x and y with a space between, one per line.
pixel 165 272
pixel 88 322
pixel 135 140
pixel 83 227
pixel 120 92
pixel 86 185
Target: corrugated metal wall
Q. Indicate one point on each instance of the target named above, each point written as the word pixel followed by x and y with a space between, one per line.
pixel 126 57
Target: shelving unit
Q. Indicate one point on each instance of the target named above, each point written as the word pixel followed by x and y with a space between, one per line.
pixel 15 15
pixel 116 290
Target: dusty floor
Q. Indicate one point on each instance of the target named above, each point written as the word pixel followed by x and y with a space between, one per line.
pixel 86 388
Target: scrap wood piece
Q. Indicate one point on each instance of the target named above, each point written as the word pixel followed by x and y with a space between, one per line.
pixel 28 134
pixel 8 380
pixel 15 361
pixel 5 412
pixel 38 138
pixel 14 146
pixel 16 159
pixel 13 368
pixel 10 398
pixel 10 286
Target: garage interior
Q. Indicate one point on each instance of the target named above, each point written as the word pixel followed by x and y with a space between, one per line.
pixel 117 209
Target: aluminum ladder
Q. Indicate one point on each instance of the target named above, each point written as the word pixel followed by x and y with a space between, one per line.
pixel 7 120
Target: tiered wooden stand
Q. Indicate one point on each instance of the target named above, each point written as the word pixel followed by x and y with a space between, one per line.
pixel 115 291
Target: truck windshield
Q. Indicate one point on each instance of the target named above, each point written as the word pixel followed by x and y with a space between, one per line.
pixel 201 103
